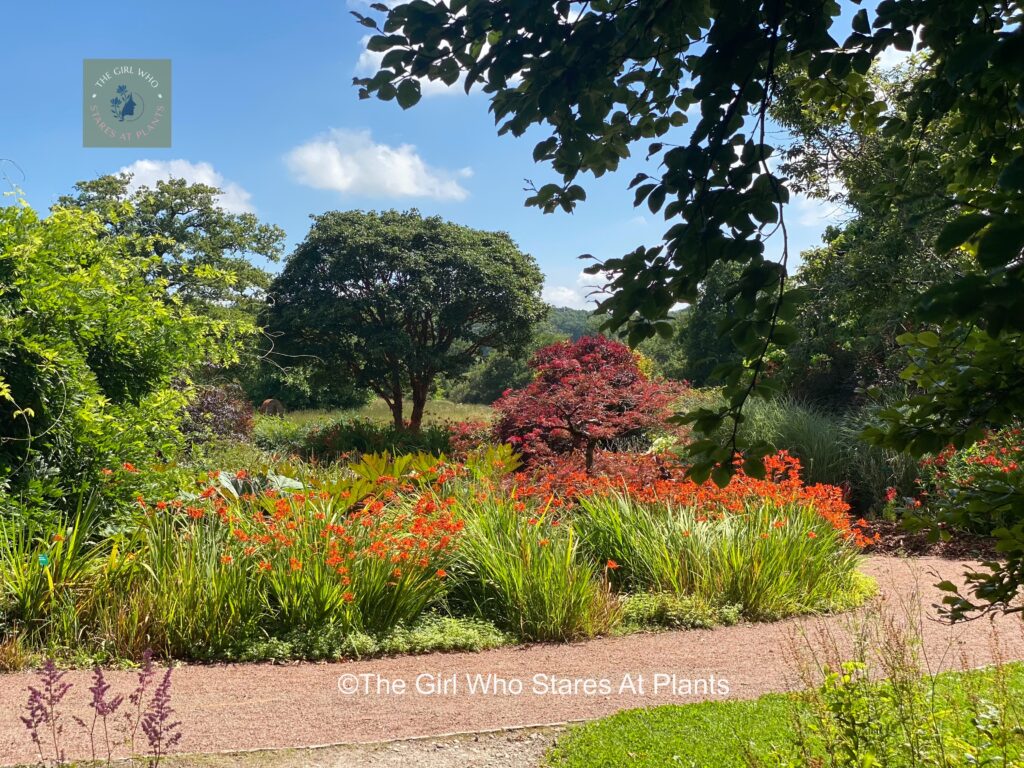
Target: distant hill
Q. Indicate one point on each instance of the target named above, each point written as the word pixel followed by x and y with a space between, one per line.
pixel 574 323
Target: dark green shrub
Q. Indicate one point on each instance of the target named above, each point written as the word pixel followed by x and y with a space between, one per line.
pixel 329 441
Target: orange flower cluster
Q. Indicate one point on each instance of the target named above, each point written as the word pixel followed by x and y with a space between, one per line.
pixel 647 479
pixel 410 531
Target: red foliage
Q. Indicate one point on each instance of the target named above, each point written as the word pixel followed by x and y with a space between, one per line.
pixel 583 393
pixel 466 436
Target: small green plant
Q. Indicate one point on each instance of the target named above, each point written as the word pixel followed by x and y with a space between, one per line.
pixel 528 574
pixel 644 610
pixel 46 566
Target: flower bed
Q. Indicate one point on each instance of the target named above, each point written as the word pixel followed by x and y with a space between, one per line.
pixel 362 551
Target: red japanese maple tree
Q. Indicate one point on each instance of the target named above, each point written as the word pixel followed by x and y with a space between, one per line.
pixel 584 393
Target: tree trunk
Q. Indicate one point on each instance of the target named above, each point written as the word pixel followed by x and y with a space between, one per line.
pixel 591 445
pixel 419 403
pixel 396 410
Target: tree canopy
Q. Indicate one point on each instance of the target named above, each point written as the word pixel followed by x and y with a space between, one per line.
pixel 395 300
pixel 583 393
pixel 204 252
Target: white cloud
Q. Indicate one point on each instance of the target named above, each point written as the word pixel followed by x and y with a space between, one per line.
pixel 146 173
pixel 564 296
pixel 576 296
pixel 815 212
pixel 351 162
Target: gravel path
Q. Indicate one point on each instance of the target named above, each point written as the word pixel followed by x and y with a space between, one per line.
pixel 262 706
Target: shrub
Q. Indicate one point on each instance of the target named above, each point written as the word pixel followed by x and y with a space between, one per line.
pixel 584 394
pixel 330 441
pixel 90 347
pixel 217 412
pixel 672 611
pixel 978 489
pixel 773 560
pixel 203 604
pixel 279 434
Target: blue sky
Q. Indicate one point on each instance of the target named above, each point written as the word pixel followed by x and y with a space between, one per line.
pixel 264 107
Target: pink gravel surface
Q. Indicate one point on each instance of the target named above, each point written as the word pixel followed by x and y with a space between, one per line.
pixel 263 706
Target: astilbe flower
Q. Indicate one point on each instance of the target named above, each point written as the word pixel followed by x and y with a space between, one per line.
pixel 161 731
pixel 102 708
pixel 134 714
pixel 42 715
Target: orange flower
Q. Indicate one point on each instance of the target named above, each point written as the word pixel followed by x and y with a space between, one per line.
pixel 106 471
pixel 441 573
pixel 226 559
pixel 812 535
pixel 129 467
pixel 295 564
pixel 348 597
pixel 543 542
pixel 613 566
pixel 264 565
pixel 57 538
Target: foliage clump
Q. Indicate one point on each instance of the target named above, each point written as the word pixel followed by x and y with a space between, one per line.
pixel 583 394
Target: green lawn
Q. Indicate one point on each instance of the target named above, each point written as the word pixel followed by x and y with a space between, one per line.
pixel 437 411
pixel 724 734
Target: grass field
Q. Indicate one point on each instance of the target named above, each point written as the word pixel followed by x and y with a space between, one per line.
pixel 437 411
pixel 726 734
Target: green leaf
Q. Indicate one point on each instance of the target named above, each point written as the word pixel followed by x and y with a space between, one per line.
pixel 1001 242
pixel 408 93
pixel 860 22
pixel 960 230
pixel 1012 176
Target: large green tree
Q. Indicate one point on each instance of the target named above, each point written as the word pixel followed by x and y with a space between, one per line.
pixel 607 78
pixel 865 283
pixel 395 301
pixel 204 253
pixel 204 256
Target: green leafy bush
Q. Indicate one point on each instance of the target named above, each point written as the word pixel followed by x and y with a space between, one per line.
pixel 665 609
pixel 91 344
